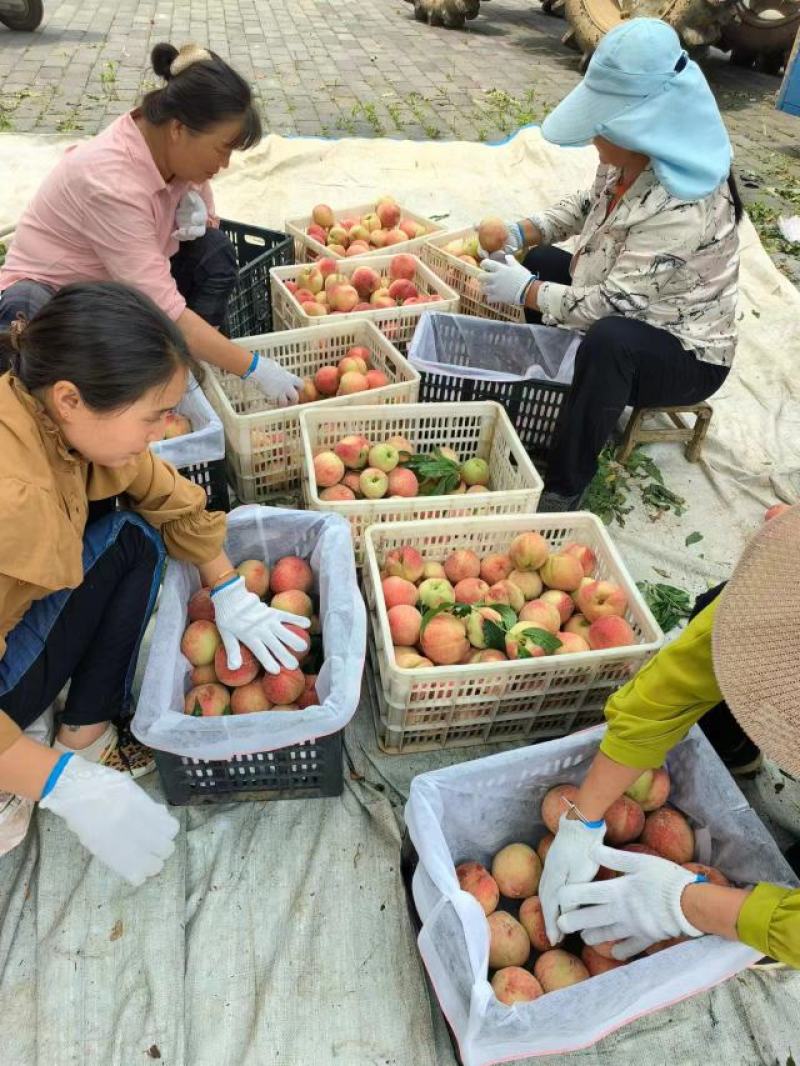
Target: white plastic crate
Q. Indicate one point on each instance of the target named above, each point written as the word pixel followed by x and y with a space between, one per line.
pixel 465 279
pixel 449 706
pixel 306 249
pixel 263 442
pixel 396 323
pixel 480 428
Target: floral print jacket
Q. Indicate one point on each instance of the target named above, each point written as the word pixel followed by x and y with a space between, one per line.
pixel 670 263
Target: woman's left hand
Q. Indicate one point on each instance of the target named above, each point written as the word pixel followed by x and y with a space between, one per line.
pixel 191 217
pixel 505 282
pixel 241 616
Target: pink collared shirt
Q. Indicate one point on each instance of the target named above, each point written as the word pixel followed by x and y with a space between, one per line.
pixel 104 213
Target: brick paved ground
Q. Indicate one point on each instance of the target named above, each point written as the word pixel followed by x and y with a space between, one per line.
pixel 359 68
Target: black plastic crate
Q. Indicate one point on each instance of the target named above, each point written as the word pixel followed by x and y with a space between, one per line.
pixel 249 311
pixel 311 770
pixel 213 478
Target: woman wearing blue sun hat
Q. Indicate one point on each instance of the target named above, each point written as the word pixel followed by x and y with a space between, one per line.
pixel 652 282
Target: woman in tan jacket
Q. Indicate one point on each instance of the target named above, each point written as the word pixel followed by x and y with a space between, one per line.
pixel 94 374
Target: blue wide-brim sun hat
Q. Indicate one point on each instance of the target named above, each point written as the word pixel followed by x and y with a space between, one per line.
pixel 643 92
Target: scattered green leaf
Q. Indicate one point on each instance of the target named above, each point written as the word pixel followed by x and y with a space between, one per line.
pixel 509 617
pixel 546 641
pixel 494 635
pixel 670 605
pixel 693 538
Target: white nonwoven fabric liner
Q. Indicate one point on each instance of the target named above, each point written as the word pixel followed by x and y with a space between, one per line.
pixel 471 811
pixel 268 534
pixel 206 442
pixel 466 347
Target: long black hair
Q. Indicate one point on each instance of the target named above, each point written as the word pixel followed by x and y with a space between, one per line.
pixel 109 340
pixel 204 93
pixel 736 199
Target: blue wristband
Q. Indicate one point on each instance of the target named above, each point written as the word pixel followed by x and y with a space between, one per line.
pixel 252 366
pixel 55 773
pixel 595 825
pixel 701 879
pixel 227 584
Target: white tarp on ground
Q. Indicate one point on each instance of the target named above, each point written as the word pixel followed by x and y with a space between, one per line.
pixel 278 932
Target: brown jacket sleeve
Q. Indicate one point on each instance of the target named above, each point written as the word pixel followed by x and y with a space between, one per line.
pixel 169 502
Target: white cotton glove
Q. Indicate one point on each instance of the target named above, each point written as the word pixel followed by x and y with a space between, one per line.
pixel 241 616
pixel 191 217
pixel 113 818
pixel 514 244
pixel 277 384
pixel 505 282
pixel 569 861
pixel 637 910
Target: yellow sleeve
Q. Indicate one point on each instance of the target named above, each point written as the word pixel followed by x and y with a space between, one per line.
pixel 769 921
pixel 657 708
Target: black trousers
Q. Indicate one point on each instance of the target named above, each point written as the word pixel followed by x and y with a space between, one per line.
pixel 726 736
pixel 205 271
pixel 89 636
pixel 620 362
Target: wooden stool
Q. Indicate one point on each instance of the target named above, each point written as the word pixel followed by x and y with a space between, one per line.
pixel 635 433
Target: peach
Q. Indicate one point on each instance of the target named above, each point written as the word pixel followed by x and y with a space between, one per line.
pixel 352 382
pixel 177 426
pixel 517 868
pixel 371 221
pixel 388 213
pixel 358 233
pixel 326 266
pixel 496 568
pixel 492 234
pixel 512 984
pixel 579 626
pixel 714 876
pixel 376 379
pixel 433 569
pixel 561 601
pixel 667 832
pixel 639 849
pixel 475 625
pixel 610 631
pixel 403 267
pixel 541 615
pixel 314 309
pixel 411 228
pixel 522 643
pixel 596 963
pixel 291 572
pixel 488 655
pixel 381 298
pixel 310 279
pixel 349 363
pixel 328 469
pixel 284 687
pixel 471 590
pixel 310 696
pixel 527 581
pixel 476 879
pixel 402 290
pixel 506 593
pixel 532 919
pixel 207 701
pixel 583 553
pixel 377 238
pixel 200 642
pixel 203 675
pixel 357 248
pixel 256 576
pixel 600 599
pixel 243 674
pixel 353 451
pixel 337 494
pixel 373 483
pixel 410 658
pixel 249 698
pixel 571 643
pixel 332 280
pixel 317 233
pixel 508 942
pixel 443 641
pixel 323 215
pixel 308 391
pixel 434 591
pixel 543 846
pixel 528 551
pixel 200 606
pixel 553 805
pixel 559 969
pixel 294 601
pixel 384 457
pixel 650 789
pixel 562 572
pixel 604 948
pixel 344 297
pixel 461 564
pixel 397 591
pixel 404 562
pixel 304 635
pixel 326 380
pixel 404 623
pixel 403 482
pixel 624 821
pixel 662 945
pixel 775 510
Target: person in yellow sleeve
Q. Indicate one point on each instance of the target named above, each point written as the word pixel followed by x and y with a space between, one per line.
pixel 741 647
pixel 93 376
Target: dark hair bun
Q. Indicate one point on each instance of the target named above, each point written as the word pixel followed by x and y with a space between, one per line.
pixel 161 59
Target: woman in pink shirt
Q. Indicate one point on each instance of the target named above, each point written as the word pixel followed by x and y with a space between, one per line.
pixel 134 205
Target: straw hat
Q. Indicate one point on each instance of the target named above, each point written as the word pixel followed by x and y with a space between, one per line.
pixel 756 640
